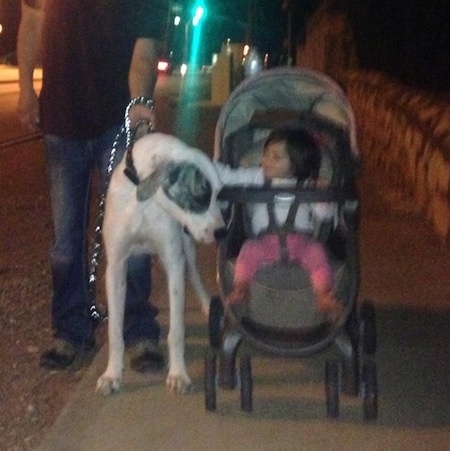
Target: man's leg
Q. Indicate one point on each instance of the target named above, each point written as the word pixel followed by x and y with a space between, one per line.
pixel 69 168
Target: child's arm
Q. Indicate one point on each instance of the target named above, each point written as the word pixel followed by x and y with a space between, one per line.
pixel 239 176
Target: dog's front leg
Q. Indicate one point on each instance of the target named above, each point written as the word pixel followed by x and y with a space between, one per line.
pixel 115 289
pixel 178 380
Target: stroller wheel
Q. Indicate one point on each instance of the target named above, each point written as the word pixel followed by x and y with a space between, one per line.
pixel 368 328
pixel 370 390
pixel 215 322
pixel 246 383
pixel 332 388
pixel 210 380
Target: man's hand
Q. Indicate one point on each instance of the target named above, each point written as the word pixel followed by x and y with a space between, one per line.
pixel 140 113
pixel 28 110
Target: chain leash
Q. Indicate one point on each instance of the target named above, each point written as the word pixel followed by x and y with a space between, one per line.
pixel 96 315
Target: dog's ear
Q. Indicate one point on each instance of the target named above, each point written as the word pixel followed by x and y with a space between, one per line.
pixel 148 186
pixel 182 182
pixel 187 186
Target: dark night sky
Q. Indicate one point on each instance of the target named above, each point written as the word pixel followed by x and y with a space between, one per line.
pixel 409 39
pixel 258 22
pixel 406 38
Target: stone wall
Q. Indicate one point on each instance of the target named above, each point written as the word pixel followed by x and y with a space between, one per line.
pixel 402 131
pixel 406 134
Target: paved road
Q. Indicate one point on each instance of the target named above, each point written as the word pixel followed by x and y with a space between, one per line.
pixel 404 270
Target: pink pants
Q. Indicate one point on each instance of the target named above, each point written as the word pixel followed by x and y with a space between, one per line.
pixel 302 248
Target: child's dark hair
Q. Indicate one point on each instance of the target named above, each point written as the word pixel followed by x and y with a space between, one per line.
pixel 302 151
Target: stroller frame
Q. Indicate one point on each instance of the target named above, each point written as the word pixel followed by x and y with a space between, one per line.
pixel 324 107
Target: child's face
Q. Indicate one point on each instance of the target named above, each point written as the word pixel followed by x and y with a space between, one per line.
pixel 275 161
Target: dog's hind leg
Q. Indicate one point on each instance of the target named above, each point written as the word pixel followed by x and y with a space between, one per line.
pixel 194 275
pixel 115 288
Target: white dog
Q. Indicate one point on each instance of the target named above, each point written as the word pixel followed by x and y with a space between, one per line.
pixel 176 189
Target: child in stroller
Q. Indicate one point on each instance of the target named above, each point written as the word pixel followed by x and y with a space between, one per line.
pixel 282 316
pixel 290 158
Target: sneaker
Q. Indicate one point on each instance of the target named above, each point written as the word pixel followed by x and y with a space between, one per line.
pixel 146 356
pixel 60 356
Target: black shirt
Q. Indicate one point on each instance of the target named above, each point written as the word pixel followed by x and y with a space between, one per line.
pixel 87 50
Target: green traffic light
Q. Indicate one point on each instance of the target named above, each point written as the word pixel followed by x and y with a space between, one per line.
pixel 199 12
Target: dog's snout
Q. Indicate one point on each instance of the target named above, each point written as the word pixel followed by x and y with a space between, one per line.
pixel 220 233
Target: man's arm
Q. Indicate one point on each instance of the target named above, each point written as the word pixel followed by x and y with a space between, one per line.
pixel 28 47
pixel 142 77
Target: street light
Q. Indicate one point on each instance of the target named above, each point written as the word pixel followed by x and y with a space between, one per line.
pixel 198 14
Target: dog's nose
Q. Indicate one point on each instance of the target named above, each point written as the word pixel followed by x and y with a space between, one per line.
pixel 220 234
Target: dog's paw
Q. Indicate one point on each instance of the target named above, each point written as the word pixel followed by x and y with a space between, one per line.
pixel 107 384
pixel 178 384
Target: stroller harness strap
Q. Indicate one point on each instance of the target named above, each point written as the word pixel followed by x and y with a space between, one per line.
pixel 282 230
pixel 289 223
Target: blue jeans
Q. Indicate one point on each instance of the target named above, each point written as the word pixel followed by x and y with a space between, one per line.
pixel 71 164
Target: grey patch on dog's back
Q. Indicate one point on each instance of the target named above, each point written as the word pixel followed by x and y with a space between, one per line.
pixel 187 186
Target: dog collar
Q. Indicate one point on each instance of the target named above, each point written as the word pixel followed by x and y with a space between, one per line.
pixel 130 169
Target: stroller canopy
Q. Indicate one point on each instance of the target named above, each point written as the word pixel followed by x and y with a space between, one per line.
pixel 284 96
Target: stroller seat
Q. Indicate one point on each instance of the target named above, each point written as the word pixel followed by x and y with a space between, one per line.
pixel 282 299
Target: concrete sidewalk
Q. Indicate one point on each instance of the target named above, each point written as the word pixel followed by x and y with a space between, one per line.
pixel 289 411
pixel 404 270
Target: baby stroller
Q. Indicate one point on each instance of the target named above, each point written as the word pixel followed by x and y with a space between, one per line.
pixel 281 318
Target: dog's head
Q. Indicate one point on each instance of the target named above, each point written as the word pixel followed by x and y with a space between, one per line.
pixel 182 180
